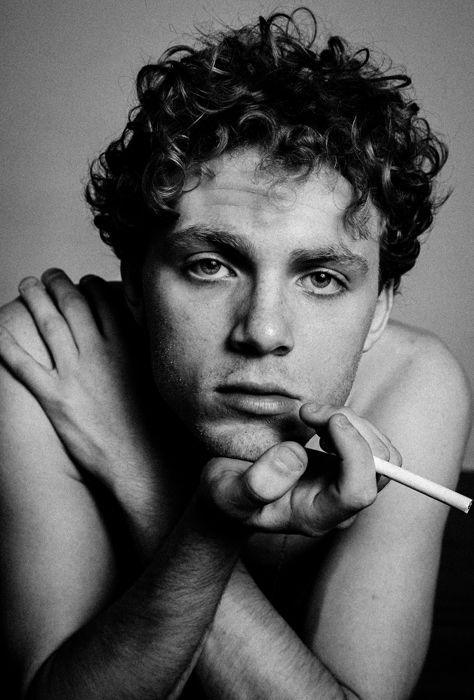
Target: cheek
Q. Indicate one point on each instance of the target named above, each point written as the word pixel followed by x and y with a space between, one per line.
pixel 332 351
pixel 182 338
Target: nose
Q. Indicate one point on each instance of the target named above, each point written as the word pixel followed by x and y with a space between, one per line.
pixel 263 324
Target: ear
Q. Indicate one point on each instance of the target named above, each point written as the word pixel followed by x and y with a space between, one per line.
pixel 381 315
pixel 132 287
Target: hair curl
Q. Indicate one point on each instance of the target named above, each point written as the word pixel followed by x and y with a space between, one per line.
pixel 268 86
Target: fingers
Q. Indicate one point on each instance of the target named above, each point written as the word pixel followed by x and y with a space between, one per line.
pixel 69 319
pixel 318 417
pixel 21 364
pixel 356 485
pixel 275 473
pixel 239 489
pixel 49 321
pixel 101 301
pixel 353 488
pixel 72 305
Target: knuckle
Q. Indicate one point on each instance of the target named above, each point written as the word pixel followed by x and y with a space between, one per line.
pixel 311 527
pixel 346 523
pixel 362 497
pixel 59 405
pixel 216 469
pixel 304 522
pixel 212 466
pixel 251 491
pixel 52 325
pixel 70 299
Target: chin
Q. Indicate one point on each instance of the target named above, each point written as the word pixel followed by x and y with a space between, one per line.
pixel 248 442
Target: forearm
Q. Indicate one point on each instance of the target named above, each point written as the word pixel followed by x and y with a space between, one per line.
pixel 252 652
pixel 148 494
pixel 232 663
pixel 143 643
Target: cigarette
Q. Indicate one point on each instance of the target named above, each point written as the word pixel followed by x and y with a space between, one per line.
pixel 403 476
pixel 419 483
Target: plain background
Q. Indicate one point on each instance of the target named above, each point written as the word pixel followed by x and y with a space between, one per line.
pixel 67 82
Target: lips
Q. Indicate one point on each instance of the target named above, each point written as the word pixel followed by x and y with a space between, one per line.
pixel 266 399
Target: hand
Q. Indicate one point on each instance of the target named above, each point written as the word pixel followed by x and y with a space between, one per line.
pixel 93 393
pixel 280 493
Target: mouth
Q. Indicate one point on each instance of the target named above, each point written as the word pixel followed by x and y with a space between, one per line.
pixel 266 399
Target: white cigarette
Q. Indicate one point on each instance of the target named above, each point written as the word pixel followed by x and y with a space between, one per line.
pixel 419 483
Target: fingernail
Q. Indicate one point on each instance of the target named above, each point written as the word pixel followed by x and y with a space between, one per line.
pixel 341 420
pixel 27 283
pixel 52 272
pixel 291 457
pixel 86 278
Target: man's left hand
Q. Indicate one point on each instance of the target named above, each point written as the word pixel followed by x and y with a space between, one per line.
pixel 280 493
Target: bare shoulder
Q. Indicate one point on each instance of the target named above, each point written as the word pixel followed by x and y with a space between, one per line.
pixel 410 362
pixel 412 387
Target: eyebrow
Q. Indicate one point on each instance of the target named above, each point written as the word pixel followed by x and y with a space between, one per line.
pixel 215 236
pixel 328 253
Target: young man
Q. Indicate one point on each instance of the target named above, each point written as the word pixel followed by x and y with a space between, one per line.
pixel 167 537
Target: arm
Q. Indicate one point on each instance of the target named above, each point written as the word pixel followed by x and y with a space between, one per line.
pixel 369 616
pixel 67 625
pixel 69 631
pixel 143 642
pixel 316 670
pixel 252 652
pixel 78 636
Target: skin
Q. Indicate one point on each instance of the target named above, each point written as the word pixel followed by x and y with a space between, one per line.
pixel 208 591
pixel 231 298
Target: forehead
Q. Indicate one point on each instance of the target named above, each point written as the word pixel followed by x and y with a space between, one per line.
pixel 254 201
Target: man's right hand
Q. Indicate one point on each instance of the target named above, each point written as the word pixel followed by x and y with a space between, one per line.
pixel 90 393
pixel 94 393
pixel 278 493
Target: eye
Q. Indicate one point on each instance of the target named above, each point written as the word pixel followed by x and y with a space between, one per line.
pixel 209 268
pixel 322 283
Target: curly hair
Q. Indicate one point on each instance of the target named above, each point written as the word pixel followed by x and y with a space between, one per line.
pixel 268 86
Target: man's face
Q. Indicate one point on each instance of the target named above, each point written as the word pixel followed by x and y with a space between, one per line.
pixel 257 301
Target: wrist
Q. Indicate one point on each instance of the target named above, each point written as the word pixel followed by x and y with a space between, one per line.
pixel 215 520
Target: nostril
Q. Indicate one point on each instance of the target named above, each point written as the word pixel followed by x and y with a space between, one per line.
pixel 259 342
pixel 263 324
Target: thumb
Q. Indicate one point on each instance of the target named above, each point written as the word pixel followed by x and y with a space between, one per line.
pixel 275 472
pixel 239 489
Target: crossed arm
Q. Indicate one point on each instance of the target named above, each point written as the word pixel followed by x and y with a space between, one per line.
pixel 88 641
